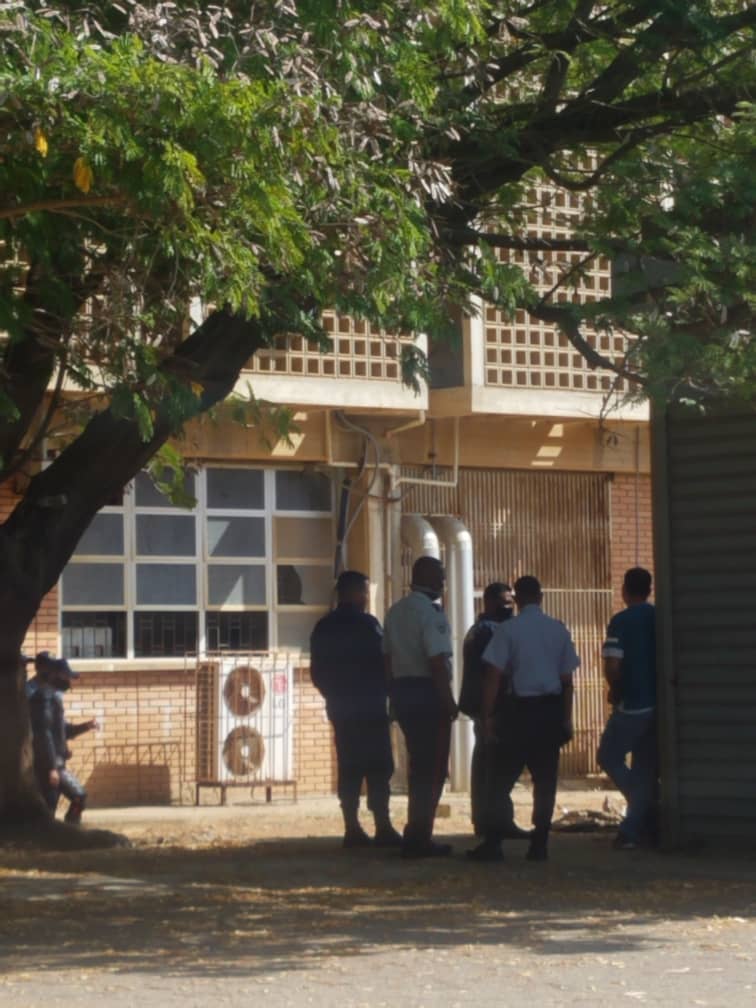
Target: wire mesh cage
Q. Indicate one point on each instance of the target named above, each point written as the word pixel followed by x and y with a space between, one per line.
pixel 245 724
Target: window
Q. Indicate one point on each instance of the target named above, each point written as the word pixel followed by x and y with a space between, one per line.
pixel 249 568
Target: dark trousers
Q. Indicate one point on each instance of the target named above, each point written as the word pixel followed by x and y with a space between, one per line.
pixel 427 732
pixel 492 808
pixel 531 735
pixel 363 752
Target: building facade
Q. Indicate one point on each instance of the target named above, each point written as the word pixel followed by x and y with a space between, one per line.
pixel 188 624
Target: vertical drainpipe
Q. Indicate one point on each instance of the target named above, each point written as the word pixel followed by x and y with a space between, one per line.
pixel 461 611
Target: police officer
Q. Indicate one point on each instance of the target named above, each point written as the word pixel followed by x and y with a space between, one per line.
pixel 536 653
pixel 418 650
pixel 347 668
pixel 51 732
pixel 492 807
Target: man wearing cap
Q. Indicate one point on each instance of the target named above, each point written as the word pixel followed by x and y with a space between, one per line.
pixel 418 650
pixel 346 665
pixel 536 654
pixel 491 804
pixel 51 733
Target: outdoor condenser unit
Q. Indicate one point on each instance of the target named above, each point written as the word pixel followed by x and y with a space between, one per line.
pixel 254 711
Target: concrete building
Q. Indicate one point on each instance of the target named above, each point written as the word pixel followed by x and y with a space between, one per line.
pixel 515 438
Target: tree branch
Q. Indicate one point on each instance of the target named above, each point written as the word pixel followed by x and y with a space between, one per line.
pixel 53 206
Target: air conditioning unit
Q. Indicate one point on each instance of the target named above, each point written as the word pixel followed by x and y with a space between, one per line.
pixel 254 718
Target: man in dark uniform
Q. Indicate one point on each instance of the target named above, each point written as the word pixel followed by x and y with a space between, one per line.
pixel 418 650
pixel 535 653
pixel 492 808
pixel 347 668
pixel 51 733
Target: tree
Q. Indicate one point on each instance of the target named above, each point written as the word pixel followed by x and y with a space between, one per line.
pixel 276 158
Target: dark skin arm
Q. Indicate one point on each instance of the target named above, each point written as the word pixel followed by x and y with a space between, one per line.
pixel 491 683
pixel 439 670
pixel 568 695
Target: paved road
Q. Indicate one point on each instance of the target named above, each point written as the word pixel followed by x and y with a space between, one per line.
pixel 292 920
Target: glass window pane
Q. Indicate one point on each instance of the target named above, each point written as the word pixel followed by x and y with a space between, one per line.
pixel 305 538
pixel 300 585
pixel 148 495
pixel 236 631
pixel 233 584
pixel 236 537
pixel 166 584
pixel 236 488
pixel 104 537
pixel 165 535
pixel 93 634
pixel 93 584
pixel 294 629
pixel 164 634
pixel 302 491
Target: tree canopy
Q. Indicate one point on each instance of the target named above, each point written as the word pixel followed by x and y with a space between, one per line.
pixel 270 160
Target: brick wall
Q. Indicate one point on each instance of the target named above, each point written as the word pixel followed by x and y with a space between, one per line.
pixel 314 753
pixel 144 752
pixel 631 528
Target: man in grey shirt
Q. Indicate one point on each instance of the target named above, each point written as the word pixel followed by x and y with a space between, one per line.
pixel 537 654
pixel 417 646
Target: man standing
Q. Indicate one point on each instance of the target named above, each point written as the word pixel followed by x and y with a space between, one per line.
pixel 630 671
pixel 535 653
pixel 50 735
pixel 492 809
pixel 418 650
pixel 347 668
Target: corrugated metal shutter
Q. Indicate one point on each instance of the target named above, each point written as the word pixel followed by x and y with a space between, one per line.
pixel 555 525
pixel 709 623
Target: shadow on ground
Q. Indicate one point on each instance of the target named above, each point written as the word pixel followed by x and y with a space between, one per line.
pixel 291 904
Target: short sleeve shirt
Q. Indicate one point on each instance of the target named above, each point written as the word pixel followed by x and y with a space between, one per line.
pixel 414 631
pixel 631 637
pixel 536 650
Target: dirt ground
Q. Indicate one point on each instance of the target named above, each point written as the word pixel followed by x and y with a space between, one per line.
pixel 258 904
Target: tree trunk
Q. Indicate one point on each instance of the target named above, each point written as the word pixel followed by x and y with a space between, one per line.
pixel 40 535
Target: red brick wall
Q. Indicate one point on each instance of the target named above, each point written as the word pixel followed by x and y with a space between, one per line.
pixel 631 528
pixel 314 754
pixel 144 752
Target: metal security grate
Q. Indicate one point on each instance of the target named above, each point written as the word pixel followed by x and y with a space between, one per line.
pixel 554 525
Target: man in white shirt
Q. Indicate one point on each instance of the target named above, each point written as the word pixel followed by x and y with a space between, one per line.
pixel 417 646
pixel 536 653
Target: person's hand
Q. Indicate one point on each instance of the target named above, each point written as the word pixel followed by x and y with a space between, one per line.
pixel 92 725
pixel 452 710
pixel 489 728
pixel 54 778
pixel 567 732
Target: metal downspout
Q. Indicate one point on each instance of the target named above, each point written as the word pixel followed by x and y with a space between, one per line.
pixel 461 611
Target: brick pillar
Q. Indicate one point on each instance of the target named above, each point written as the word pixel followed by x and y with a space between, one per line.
pixel 631 529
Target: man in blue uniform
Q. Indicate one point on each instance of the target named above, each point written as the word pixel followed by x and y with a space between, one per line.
pixel 347 668
pixel 630 671
pixel 492 808
pixel 535 653
pixel 51 734
pixel 418 650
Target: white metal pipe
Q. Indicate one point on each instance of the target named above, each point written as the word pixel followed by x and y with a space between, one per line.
pixel 418 421
pixel 461 611
pixel 438 482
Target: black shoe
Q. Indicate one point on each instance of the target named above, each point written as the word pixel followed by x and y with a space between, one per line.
pixel 487 851
pixel 387 837
pixel 537 852
pixel 356 838
pixel 515 832
pixel 427 850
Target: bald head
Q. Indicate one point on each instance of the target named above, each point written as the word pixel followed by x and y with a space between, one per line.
pixel 428 575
